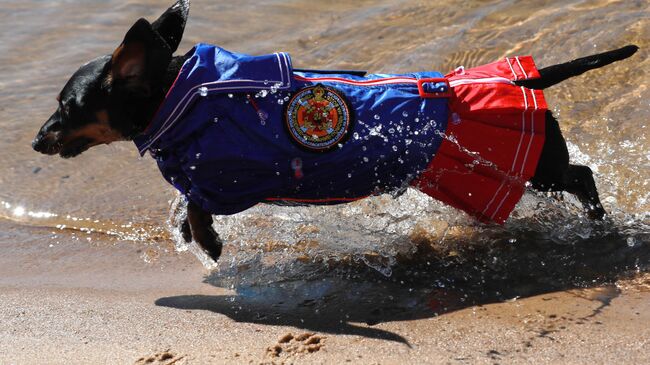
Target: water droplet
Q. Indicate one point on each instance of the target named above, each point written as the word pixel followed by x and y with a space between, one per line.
pixel 355 135
pixel 395 148
pixel 631 241
pixel 377 117
pixel 203 91
pixel 417 120
pixel 365 159
pixel 216 119
pixel 405 114
pixel 364 148
pixel 455 118
pixel 192 167
pixel 275 87
pixel 349 176
pixel 391 130
pixel 263 116
pixel 277 173
pixel 262 94
pixel 198 155
pixel 231 96
pixel 280 101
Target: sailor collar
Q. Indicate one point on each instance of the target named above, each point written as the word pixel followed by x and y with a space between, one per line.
pixel 213 70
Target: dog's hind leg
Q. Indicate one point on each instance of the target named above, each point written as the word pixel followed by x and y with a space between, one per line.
pixel 579 181
pixel 552 75
pixel 554 173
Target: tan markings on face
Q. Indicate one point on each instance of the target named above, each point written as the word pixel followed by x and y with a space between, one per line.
pixel 100 132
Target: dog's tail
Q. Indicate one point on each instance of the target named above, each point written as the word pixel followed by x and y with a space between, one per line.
pixel 555 74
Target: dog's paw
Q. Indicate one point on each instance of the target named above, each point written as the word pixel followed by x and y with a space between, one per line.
pixel 210 242
pixel 596 213
pixel 214 252
pixel 214 255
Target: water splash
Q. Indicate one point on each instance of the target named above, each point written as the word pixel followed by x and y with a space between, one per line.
pixel 269 244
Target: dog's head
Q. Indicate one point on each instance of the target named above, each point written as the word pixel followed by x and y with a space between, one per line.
pixel 112 97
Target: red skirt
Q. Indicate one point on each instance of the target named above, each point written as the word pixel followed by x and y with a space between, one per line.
pixel 493 140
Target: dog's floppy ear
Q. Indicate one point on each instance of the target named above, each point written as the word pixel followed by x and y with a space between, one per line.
pixel 171 24
pixel 141 58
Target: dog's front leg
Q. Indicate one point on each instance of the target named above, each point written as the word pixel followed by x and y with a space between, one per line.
pixel 192 222
pixel 198 224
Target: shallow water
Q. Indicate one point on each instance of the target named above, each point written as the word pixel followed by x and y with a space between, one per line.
pixel 413 243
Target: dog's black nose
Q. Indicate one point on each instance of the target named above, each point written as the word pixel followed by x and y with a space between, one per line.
pixel 47 138
pixel 46 144
pixel 38 145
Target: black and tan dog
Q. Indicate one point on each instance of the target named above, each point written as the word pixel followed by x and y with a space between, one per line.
pixel 114 98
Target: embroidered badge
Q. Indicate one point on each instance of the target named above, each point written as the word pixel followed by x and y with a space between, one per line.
pixel 318 117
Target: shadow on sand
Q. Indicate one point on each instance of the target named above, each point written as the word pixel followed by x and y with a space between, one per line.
pixel 350 298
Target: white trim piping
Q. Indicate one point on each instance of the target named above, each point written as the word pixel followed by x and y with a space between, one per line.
pixel 523 129
pixel 532 132
pixel 512 69
pixel 522 68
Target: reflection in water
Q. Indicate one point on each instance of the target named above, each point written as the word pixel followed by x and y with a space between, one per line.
pixel 116 231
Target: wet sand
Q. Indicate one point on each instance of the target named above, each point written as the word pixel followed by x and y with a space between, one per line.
pixel 78 304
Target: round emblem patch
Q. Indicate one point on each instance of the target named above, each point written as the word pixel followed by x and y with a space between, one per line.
pixel 318 117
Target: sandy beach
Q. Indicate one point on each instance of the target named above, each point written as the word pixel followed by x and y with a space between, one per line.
pixel 75 304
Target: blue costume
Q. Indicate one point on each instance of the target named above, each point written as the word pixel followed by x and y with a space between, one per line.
pixel 237 130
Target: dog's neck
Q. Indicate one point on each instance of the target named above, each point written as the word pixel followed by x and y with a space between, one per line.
pixel 151 105
pixel 172 72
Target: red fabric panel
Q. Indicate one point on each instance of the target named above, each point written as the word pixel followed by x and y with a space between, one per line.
pixel 493 141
